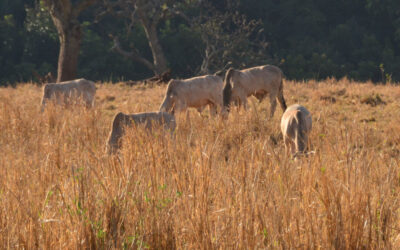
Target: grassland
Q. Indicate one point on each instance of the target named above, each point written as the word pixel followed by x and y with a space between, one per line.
pixel 219 184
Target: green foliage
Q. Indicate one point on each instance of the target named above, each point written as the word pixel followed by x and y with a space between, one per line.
pixel 180 34
pixel 314 39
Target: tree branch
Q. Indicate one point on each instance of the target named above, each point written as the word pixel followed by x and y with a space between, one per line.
pixel 82 6
pixel 60 9
pixel 179 13
pixel 120 9
pixel 131 55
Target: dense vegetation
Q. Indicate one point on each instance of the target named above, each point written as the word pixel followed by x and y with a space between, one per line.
pixel 315 39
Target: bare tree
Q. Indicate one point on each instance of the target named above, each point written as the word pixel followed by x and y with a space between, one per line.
pixel 229 39
pixel 147 13
pixel 65 17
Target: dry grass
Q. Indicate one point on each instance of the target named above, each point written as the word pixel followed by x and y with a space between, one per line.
pixel 218 184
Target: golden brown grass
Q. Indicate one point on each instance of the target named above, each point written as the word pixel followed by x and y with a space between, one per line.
pixel 218 184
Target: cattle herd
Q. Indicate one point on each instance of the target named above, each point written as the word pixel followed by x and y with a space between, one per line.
pixel 198 92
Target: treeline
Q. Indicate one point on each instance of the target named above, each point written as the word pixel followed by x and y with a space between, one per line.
pixel 135 39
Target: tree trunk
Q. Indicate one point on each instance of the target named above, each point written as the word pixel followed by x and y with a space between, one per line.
pixel 65 17
pixel 160 63
pixel 70 41
pixel 205 65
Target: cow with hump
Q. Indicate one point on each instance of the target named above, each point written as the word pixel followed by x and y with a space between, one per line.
pixel 69 92
pixel 257 81
pixel 196 92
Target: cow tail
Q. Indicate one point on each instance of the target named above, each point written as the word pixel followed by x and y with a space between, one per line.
pixel 227 92
pixel 300 139
pixel 281 99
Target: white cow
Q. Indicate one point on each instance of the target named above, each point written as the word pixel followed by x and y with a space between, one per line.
pixel 196 92
pixel 296 124
pixel 258 81
pixel 150 119
pixel 69 92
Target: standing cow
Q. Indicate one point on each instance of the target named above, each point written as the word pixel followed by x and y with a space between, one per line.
pixel 196 92
pixel 69 92
pixel 296 125
pixel 150 119
pixel 258 81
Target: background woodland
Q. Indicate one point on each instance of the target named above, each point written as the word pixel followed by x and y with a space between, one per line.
pixel 136 39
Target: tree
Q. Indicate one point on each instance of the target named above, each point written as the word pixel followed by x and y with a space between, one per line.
pixel 231 39
pixel 228 37
pixel 64 14
pixel 148 14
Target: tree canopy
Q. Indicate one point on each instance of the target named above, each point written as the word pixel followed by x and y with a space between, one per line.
pixel 316 39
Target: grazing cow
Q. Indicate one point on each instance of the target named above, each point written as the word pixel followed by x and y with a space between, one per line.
pixel 69 91
pixel 296 125
pixel 258 81
pixel 196 92
pixel 150 119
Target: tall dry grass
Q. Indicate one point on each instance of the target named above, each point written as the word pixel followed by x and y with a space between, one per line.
pixel 217 184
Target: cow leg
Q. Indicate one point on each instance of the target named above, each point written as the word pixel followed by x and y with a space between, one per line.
pixel 237 102
pixel 43 105
pixel 180 106
pixel 272 100
pixel 308 143
pixel 260 96
pixel 243 101
pixel 200 109
pixel 86 100
pixel 245 104
pixel 188 117
pixel 287 145
pixel 220 104
pixel 293 147
pixel 89 100
pixel 213 109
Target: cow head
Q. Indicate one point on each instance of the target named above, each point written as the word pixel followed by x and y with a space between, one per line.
pixel 171 97
pixel 47 93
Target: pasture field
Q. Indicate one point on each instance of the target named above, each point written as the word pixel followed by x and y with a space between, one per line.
pixel 219 184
